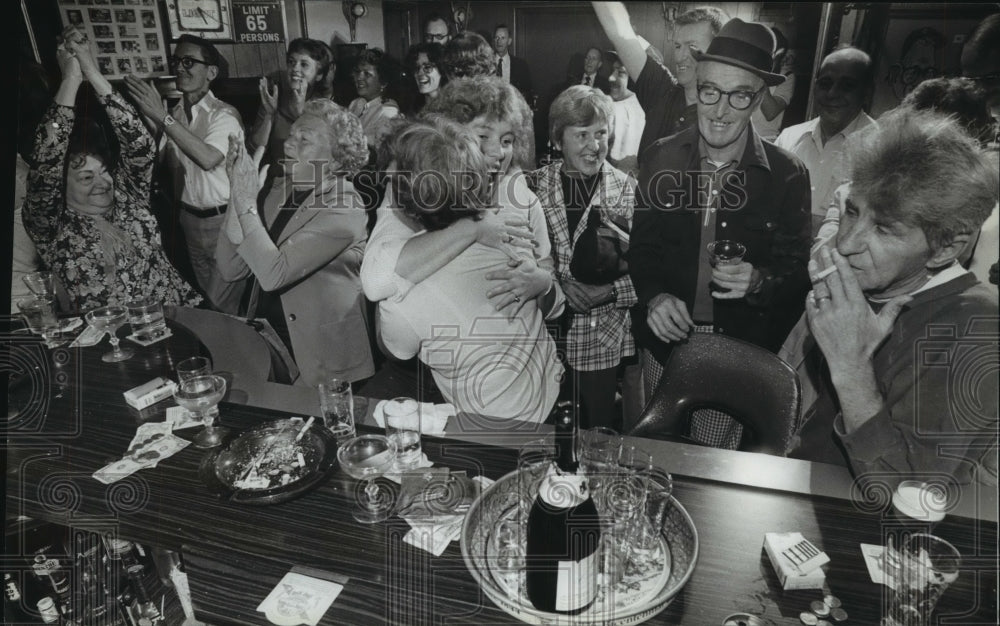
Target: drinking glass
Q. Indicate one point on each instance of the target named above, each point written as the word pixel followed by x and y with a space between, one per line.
pixel 366 458
pixel 201 395
pixel 39 314
pixel 41 284
pixel 600 448
pixel 402 426
pixel 110 319
pixel 725 252
pixel 194 366
pixel 337 404
pixel 145 316
pixel 927 565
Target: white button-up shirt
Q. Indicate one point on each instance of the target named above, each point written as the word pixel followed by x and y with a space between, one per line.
pixel 825 161
pixel 212 121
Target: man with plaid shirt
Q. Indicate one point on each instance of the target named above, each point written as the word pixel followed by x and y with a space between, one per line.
pixel 719 181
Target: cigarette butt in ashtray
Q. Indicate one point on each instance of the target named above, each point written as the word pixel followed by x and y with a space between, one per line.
pixel 305 427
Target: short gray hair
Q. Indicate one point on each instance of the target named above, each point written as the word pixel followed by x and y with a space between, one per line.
pixel 921 168
pixel 347 137
pixel 579 105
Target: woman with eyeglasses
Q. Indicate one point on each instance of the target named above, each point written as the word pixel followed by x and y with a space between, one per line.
pixel 88 215
pixel 424 63
pixel 309 68
pixel 373 72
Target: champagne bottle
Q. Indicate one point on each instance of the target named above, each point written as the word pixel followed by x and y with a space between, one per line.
pixel 564 530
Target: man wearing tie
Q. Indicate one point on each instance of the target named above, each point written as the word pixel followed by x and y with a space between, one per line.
pixel 592 62
pixel 511 69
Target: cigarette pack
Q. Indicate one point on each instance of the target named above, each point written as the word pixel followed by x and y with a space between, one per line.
pixel 150 393
pixel 788 574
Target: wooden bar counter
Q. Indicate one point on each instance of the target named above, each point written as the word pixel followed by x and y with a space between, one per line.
pixel 74 420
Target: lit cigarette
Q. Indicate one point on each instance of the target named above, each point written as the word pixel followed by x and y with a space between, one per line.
pixel 825 273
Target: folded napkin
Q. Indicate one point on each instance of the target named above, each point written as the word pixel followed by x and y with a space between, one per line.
pixel 434 533
pixel 433 417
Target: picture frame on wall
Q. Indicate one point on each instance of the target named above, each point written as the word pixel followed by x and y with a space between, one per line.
pixel 127 37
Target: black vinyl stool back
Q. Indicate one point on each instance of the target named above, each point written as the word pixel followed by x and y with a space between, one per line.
pixel 711 371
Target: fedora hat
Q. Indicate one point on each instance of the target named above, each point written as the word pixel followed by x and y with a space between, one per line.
pixel 746 45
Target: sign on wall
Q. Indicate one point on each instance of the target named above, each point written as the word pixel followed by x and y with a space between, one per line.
pixel 258 22
pixel 127 36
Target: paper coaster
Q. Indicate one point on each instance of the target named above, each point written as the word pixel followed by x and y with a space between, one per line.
pixel 299 599
pixel 166 333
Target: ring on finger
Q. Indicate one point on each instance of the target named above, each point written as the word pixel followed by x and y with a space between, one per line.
pixel 517 298
pixel 510 238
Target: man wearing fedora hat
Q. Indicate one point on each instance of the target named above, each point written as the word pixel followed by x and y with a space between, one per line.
pixel 719 181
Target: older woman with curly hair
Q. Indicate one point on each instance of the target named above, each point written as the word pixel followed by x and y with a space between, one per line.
pixel 373 72
pixel 305 246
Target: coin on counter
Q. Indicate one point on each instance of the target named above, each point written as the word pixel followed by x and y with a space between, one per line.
pixel 819 608
pixel 808 618
pixel 838 614
pixel 831 601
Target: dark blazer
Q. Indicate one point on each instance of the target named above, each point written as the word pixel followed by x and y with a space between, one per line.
pixel 601 82
pixel 768 212
pixel 520 77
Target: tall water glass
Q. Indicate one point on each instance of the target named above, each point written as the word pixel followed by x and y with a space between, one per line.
pixel 402 426
pixel 337 404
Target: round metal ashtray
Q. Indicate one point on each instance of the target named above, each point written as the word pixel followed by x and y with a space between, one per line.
pixel 265 465
pixel 641 594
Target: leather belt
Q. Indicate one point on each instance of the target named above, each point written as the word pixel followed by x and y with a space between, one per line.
pixel 204 212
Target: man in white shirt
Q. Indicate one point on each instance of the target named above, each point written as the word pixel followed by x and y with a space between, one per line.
pixel 629 120
pixel 513 70
pixel 196 137
pixel 843 82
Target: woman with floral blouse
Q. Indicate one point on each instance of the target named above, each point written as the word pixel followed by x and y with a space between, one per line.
pixel 89 219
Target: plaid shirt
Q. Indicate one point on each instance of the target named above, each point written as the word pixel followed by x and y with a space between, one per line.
pixel 600 338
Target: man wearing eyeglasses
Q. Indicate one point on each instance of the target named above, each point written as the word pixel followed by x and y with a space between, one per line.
pixel 436 29
pixel 719 181
pixel 843 83
pixel 195 135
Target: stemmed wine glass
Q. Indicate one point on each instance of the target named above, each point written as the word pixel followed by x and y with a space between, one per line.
pixel 110 319
pixel 366 458
pixel 201 395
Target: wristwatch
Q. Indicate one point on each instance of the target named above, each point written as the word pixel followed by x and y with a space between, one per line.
pixel 168 120
pixel 251 211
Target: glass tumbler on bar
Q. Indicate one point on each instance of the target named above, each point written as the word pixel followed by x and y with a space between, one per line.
pixel 145 317
pixel 194 366
pixel 402 426
pixel 337 404
pixel 927 565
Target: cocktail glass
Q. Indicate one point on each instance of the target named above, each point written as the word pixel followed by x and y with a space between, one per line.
pixel 110 319
pixel 365 458
pixel 41 284
pixel 201 395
